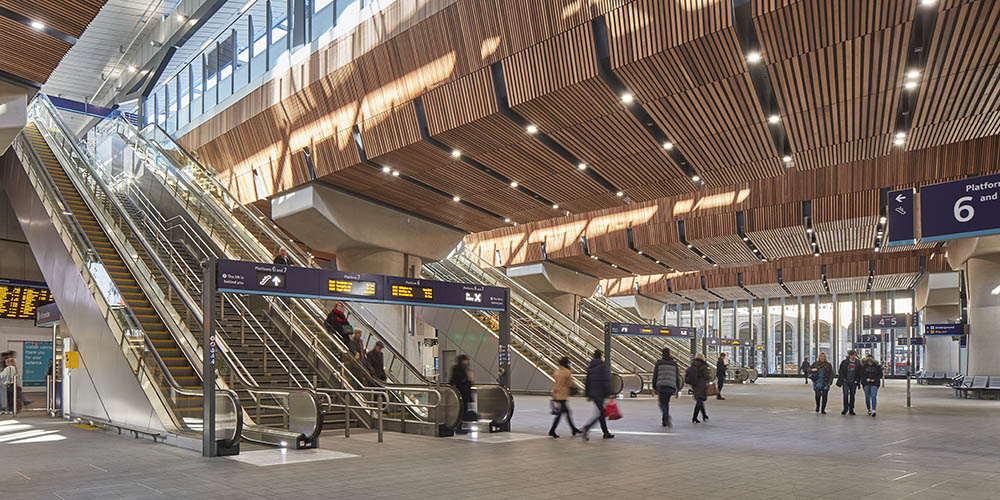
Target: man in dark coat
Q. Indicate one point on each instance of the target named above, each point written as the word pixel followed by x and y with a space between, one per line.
pixel 666 383
pixel 698 377
pixel 597 387
pixel 375 364
pixel 849 379
pixel 804 368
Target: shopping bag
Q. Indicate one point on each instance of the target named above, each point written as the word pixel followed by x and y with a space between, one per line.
pixel 612 411
pixel 712 390
pixel 554 407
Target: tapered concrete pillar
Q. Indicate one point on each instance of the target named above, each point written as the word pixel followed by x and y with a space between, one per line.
pixel 647 308
pixel 367 237
pixel 559 286
pixel 13 111
pixel 937 298
pixel 980 258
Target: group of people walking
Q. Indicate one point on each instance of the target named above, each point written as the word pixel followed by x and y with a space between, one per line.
pixel 667 382
pixel 852 374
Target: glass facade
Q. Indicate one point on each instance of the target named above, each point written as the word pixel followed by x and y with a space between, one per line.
pixel 778 333
pixel 259 40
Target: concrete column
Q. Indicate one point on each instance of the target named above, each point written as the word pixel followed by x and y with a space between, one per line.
pixel 559 286
pixel 940 352
pixel 983 274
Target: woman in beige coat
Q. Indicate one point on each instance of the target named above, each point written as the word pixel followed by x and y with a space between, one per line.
pixel 561 388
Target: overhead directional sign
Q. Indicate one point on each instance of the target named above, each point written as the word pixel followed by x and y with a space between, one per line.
pixel 868 338
pixel 636 330
pixel 901 217
pixel 883 321
pixel 952 329
pixel 910 341
pixel 272 279
pixel 960 209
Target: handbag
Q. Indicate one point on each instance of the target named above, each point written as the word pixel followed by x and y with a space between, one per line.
pixel 814 376
pixel 611 410
pixel 554 407
pixel 711 390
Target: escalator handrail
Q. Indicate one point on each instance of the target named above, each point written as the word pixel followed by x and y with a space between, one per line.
pixel 255 216
pixel 132 324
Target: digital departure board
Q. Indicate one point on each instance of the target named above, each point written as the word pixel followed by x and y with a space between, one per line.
pixel 351 287
pixel 637 330
pixel 19 299
pixel 270 279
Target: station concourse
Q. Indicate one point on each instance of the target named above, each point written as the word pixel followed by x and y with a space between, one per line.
pixel 353 248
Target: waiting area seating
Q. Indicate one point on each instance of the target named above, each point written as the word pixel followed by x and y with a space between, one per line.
pixel 977 386
pixel 936 377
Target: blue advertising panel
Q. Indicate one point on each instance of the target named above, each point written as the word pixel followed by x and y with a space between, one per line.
pixel 886 321
pixel 291 281
pixel 952 329
pixel 35 362
pixel 636 330
pixel 960 209
pixel 901 217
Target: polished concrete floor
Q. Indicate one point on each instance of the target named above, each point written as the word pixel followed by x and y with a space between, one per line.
pixel 763 442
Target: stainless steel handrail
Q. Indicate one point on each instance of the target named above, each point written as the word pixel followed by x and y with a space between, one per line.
pixel 127 323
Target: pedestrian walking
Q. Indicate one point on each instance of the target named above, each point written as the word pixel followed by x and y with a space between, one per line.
pixel 871 378
pixel 821 373
pixel 698 376
pixel 805 368
pixel 666 382
pixel 849 379
pixel 562 388
pixel 721 365
pixel 597 387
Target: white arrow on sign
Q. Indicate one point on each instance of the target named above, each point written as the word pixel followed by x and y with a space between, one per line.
pixel 276 280
pixel 900 198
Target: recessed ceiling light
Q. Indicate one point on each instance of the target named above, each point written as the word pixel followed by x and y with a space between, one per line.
pixel 639 252
pixel 927 2
pixel 456 153
pixel 881 219
pixel 657 262
pixel 900 135
pixel 786 159
pixel 877 249
pixel 816 254
pixel 809 230
pixel 395 173
pixel 507 219
pixel 555 206
pixel 754 57
pixel 714 264
pixel 627 98
pixel 913 75
pixel 620 194
pixel 513 184
pixel 37 25
pixel 899 142
pixel 193 22
pixel 773 119
pixel 910 85
pixel 695 178
pixel 531 129
pixel 746 239
pixel 386 170
pixel 668 146
pixel 582 166
pixel 763 260
pixel 455 198
pixel 515 223
pixel 689 245
pixel 614 266
pixel 131 69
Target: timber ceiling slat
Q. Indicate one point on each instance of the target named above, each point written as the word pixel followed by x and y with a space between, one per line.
pixel 28 53
pixel 589 266
pixel 778 230
pixel 848 285
pixel 846 222
pixel 68 16
pixel 716 237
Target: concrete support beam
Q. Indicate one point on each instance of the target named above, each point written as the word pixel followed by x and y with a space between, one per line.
pixel 13 111
pixel 558 285
pixel 366 238
pixel 645 307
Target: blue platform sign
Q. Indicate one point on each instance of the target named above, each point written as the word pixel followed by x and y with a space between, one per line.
pixel 960 209
pixel 886 321
pixel 869 338
pixel 901 218
pixel 637 330
pixel 951 329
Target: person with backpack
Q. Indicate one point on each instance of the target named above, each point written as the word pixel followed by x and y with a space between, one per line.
pixel 821 374
pixel 721 365
pixel 698 376
pixel 666 382
pixel 871 378
pixel 597 387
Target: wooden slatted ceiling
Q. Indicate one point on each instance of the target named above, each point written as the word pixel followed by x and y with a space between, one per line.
pixel 772 290
pixel 685 66
pixel 716 237
pixel 959 92
pixel 662 242
pixel 28 53
pixel 846 222
pixel 857 284
pixel 893 282
pixel 838 88
pixel 589 266
pixel 632 261
pixel 68 16
pixel 732 293
pixel 778 230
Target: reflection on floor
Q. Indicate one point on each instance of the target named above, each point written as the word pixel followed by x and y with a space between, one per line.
pixel 282 456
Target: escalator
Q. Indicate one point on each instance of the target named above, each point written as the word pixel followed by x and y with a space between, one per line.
pixel 186 191
pixel 134 271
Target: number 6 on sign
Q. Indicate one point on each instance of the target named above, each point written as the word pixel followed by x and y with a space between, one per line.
pixel 964 213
